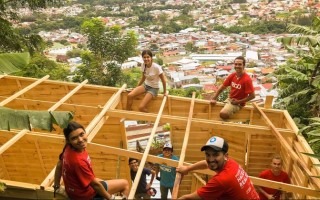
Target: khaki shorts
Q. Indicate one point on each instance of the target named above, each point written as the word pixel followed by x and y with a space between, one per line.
pixel 230 108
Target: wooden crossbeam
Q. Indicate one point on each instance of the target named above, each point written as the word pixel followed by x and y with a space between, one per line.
pixel 287 147
pixel 204 123
pixel 110 104
pixel 147 149
pixel 1 76
pixel 12 141
pixel 183 149
pixel 173 163
pixel 26 89
pixel 65 98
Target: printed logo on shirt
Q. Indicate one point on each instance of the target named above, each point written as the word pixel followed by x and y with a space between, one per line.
pixel 89 160
pixel 235 85
pixel 164 168
pixel 241 177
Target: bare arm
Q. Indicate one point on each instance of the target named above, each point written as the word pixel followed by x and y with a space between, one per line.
pixel 164 85
pixel 196 166
pixel 57 175
pixel 244 100
pixel 153 174
pixel 98 187
pixel 191 196
pixel 220 89
pixel 269 196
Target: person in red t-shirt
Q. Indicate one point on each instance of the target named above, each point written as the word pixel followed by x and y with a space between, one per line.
pixel 275 174
pixel 241 91
pixel 230 182
pixel 75 167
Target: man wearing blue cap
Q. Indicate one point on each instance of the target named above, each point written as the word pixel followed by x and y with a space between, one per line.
pixel 230 181
pixel 167 173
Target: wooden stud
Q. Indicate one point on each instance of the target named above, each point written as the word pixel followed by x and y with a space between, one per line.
pixel 146 151
pixel 65 98
pixel 184 148
pixel 26 89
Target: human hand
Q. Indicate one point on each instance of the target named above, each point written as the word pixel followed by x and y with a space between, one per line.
pixel 235 102
pixel 270 196
pixel 213 101
pixel 182 169
pixel 148 186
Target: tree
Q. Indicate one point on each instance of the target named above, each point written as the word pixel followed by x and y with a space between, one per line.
pixel 109 48
pixel 12 40
pixel 40 66
pixel 299 82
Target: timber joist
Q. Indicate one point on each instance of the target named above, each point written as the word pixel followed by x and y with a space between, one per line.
pixel 28 157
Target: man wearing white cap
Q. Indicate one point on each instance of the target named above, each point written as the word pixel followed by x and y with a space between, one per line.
pixel 167 173
pixel 230 182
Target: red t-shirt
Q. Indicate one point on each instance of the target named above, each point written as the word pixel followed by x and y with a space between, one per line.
pixel 267 174
pixel 232 182
pixel 77 174
pixel 240 88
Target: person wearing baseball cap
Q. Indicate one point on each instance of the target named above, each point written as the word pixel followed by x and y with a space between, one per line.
pixel 167 173
pixel 230 180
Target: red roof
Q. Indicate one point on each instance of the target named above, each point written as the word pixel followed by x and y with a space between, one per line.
pixel 267 86
pixel 227 67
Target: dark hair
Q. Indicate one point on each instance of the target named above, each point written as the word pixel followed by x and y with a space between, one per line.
pixel 147 51
pixel 132 159
pixel 72 126
pixel 241 58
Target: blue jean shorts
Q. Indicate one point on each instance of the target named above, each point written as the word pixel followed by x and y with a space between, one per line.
pixel 98 197
pixel 151 90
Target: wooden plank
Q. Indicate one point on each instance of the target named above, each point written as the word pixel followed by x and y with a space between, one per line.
pixel 106 107
pixel 40 158
pixel 12 141
pixel 289 150
pixel 65 98
pixel 204 123
pixel 285 187
pixel 146 151
pixel 268 102
pixel 26 89
pixel 184 148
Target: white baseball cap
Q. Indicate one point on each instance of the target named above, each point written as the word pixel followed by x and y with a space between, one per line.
pixel 216 143
pixel 167 145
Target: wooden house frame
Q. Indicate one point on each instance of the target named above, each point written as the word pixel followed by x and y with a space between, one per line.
pixel 28 157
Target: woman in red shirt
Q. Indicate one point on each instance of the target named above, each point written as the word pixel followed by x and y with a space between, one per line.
pixel 75 167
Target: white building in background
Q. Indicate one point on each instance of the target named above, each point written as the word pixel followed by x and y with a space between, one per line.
pixel 216 57
pixel 59 51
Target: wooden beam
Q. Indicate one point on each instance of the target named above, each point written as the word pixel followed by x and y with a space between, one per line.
pixel 29 87
pixel 65 98
pixel 115 98
pixel 19 86
pixel 147 149
pixel 40 157
pixel 287 147
pixel 183 149
pixel 1 76
pixel 174 163
pixel 268 102
pixel 133 154
pixel 204 123
pixel 199 178
pixel 12 141
pixel 285 187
